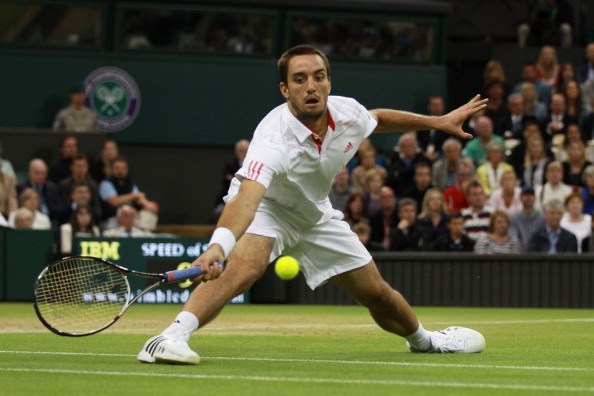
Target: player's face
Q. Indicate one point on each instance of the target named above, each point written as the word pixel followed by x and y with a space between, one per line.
pixel 307 87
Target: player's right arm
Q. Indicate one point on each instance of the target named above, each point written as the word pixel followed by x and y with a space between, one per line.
pixel 236 217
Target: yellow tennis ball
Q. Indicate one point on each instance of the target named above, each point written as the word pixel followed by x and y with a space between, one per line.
pixel 286 267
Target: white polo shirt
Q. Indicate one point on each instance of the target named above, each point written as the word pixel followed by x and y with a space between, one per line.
pixel 284 158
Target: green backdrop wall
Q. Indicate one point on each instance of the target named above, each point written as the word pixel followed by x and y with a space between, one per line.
pixel 195 100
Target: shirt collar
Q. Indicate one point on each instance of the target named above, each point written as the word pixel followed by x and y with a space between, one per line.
pixel 551 232
pixel 301 131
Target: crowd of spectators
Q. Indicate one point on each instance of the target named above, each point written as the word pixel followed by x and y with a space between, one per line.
pixel 524 183
pixel 77 194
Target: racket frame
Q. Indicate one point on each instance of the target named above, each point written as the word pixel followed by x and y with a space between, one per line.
pixel 161 278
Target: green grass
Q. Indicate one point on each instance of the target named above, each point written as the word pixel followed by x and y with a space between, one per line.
pixel 303 350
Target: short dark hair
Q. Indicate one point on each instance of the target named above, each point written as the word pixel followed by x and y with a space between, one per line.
pixel 303 49
pixel 453 216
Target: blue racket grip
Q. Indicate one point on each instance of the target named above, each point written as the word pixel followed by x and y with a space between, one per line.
pixel 185 274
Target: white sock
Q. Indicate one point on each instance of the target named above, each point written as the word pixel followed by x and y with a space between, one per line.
pixel 419 339
pixel 183 326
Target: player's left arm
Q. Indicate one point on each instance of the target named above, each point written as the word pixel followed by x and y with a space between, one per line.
pixel 403 121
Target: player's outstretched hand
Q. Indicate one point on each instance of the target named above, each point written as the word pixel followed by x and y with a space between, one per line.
pixel 211 262
pixel 453 121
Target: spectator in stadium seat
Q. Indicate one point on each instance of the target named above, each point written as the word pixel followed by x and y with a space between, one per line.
pixel 498 240
pixel 431 142
pixel 554 188
pixel 401 169
pixel 51 204
pixel 79 196
pixel 119 190
pixel 23 218
pixel 455 196
pixel 434 215
pixel 528 75
pixel 126 220
pixel 552 238
pixel 489 173
pixel 575 164
pixel 341 189
pixel 29 199
pixel 533 107
pixel 507 197
pixel 229 169
pixel 79 169
pixel 525 222
pixel 558 119
pixel 532 169
pixel 495 91
pixel 408 235
pixel 374 180
pixel 547 67
pixel 574 104
pixel 81 223
pixel 478 213
pixel 101 167
pixel 8 193
pixel 355 210
pixel 510 125
pixel 549 22
pixel 367 158
pixel 422 183
pixel 575 221
pixel 454 240
pixel 476 149
pixel 76 117
pixel 585 71
pixel 363 231
pixel 68 150
pixel 444 170
pixel 384 220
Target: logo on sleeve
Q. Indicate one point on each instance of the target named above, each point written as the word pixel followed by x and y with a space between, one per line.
pixel 349 147
pixel 254 170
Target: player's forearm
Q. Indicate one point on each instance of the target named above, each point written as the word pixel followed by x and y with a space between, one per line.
pixel 239 213
pixel 403 121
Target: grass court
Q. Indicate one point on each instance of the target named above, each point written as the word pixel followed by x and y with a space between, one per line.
pixel 302 350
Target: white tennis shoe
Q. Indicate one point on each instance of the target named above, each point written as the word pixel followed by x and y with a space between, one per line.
pixel 454 340
pixel 162 349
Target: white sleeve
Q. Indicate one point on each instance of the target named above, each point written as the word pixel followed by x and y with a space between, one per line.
pixel 263 162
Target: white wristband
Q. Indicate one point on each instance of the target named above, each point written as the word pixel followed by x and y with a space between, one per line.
pixel 224 238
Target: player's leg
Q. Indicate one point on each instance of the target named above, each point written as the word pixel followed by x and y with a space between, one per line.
pixel 246 264
pixel 393 313
pixel 387 306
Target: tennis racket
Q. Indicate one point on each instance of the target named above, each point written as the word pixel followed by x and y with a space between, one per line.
pixel 80 295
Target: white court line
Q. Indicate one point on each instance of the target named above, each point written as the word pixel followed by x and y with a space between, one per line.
pixel 309 380
pixel 333 326
pixel 354 362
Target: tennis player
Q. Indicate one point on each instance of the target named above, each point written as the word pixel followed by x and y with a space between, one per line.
pixel 278 204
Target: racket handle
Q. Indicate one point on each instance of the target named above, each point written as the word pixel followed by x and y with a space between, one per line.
pixel 185 274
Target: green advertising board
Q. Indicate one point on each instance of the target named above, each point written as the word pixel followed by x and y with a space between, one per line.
pixel 150 255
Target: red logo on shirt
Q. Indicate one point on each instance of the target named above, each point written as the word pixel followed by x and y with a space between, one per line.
pixel 254 170
pixel 348 147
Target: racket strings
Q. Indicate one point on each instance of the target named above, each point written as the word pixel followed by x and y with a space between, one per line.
pixel 81 295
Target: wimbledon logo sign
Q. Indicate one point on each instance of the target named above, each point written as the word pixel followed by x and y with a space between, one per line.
pixel 114 96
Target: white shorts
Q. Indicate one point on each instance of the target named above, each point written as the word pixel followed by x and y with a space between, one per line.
pixel 323 250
